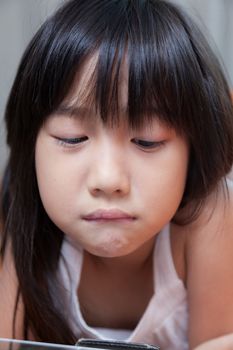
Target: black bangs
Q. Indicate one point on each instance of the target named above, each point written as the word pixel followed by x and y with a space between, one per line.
pixel 143 45
pixel 165 76
pixel 145 58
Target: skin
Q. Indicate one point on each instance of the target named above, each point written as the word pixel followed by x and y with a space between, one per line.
pixel 108 168
pixel 209 270
pixel 138 185
pixel 147 184
pixel 221 343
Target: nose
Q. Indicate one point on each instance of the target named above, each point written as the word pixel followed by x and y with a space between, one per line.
pixel 109 174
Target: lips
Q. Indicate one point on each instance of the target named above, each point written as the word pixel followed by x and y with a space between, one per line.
pixel 108 215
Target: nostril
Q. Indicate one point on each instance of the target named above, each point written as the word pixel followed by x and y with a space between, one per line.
pixel 96 190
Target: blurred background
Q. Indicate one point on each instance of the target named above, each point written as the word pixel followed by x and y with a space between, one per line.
pixel 19 20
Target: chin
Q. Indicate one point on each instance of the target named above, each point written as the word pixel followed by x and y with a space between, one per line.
pixel 110 249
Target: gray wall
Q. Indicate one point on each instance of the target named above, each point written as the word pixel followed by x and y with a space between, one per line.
pixel 19 20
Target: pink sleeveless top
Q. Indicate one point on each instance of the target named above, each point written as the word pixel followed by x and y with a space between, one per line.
pixel 165 320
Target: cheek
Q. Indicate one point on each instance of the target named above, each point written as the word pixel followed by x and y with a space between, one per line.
pixel 165 183
pixel 55 190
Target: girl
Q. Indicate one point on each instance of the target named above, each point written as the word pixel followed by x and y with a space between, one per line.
pixel 115 205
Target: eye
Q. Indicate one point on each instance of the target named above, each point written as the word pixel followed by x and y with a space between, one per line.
pixel 71 142
pixel 148 144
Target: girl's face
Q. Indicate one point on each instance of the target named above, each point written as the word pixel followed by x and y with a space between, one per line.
pixel 111 189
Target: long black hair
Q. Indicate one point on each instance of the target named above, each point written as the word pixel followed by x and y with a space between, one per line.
pixel 172 75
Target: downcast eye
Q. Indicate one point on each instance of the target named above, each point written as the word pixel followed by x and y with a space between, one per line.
pixel 147 144
pixel 69 142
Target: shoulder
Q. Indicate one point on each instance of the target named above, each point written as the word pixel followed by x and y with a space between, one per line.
pixel 222 343
pixel 209 268
pixel 8 295
pixel 215 222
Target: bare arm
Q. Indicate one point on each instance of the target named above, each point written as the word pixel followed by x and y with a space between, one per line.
pixel 222 343
pixel 210 275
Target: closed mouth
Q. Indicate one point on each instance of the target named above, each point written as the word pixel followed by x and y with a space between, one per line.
pixel 108 215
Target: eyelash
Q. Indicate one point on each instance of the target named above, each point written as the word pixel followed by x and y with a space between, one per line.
pixel 148 144
pixel 72 142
